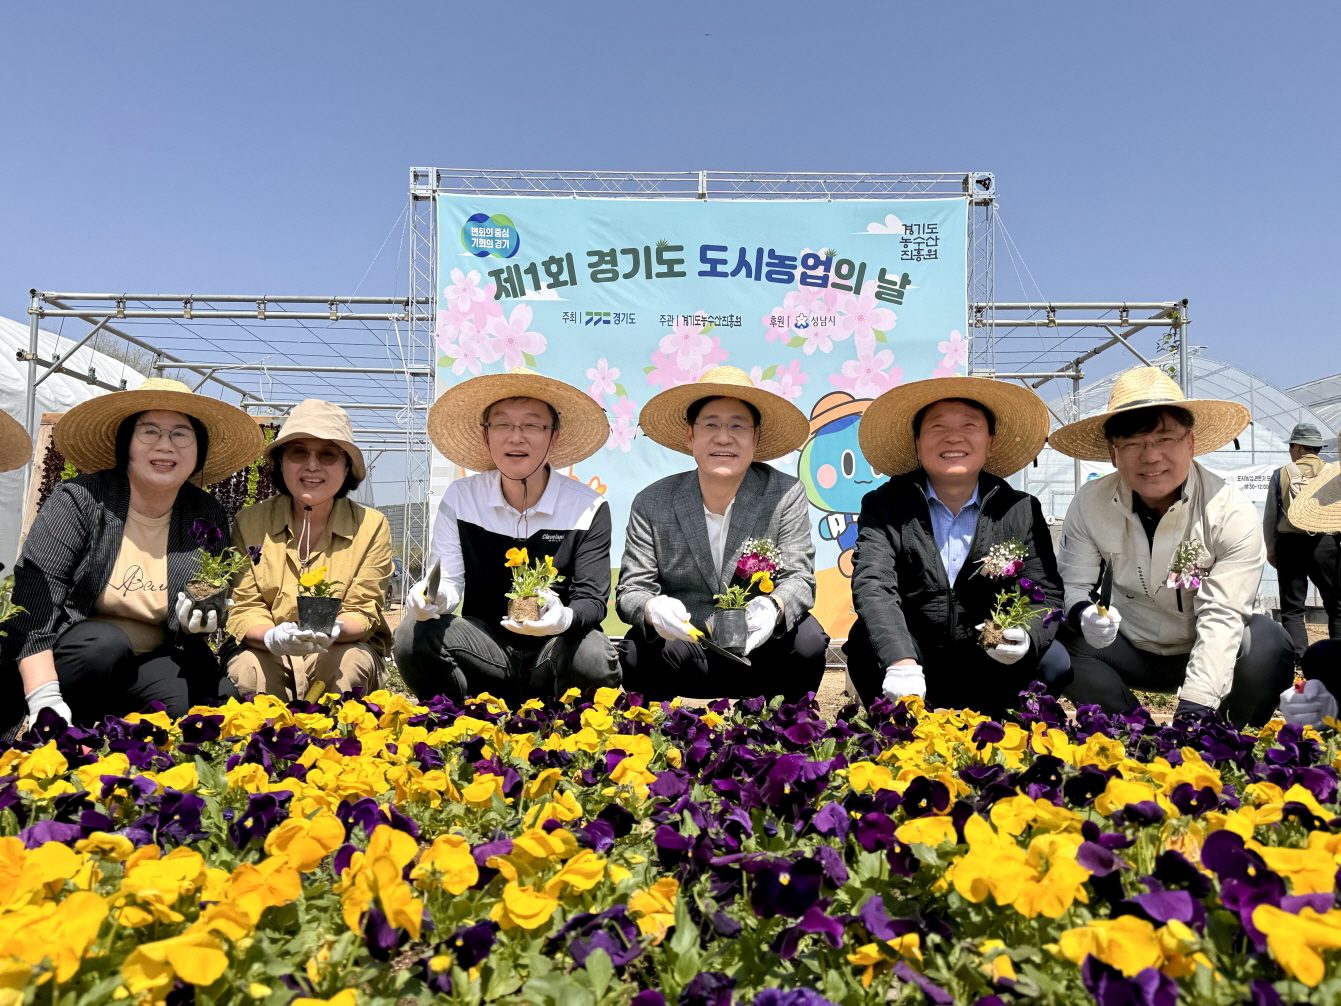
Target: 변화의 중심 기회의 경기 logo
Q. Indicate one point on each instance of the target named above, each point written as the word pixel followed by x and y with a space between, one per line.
pixel 483 235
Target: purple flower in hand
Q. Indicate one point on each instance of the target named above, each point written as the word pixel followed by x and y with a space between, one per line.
pixel 205 534
pixel 255 552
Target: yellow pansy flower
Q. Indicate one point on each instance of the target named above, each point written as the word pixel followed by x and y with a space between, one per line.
pixel 313 577
pixel 516 557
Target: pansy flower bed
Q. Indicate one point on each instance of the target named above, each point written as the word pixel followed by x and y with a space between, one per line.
pixel 597 851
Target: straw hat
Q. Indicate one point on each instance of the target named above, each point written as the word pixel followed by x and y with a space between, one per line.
pixel 886 431
pixel 86 435
pixel 1216 422
pixel 1318 507
pixel 320 420
pixel 16 447
pixel 782 427
pixel 454 421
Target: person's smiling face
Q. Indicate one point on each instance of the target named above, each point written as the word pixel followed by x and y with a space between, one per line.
pixel 723 438
pixel 954 440
pixel 519 433
pixel 162 463
pixel 314 469
pixel 1154 464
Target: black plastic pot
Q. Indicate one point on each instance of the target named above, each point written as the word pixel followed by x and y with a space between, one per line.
pixel 215 602
pixel 318 613
pixel 728 629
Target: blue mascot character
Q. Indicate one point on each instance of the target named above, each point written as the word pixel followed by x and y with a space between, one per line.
pixel 835 473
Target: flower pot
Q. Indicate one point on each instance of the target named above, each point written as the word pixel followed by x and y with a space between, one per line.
pixel 729 629
pixel 205 597
pixel 524 609
pixel 318 613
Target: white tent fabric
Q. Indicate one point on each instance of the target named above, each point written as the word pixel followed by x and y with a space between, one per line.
pixel 58 393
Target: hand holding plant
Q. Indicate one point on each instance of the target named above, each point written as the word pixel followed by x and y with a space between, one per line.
pixel 1014 609
pixel 528 583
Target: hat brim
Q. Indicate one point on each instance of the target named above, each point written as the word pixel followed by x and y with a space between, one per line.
pixel 1317 508
pixel 86 435
pixel 16 447
pixel 783 427
pixel 886 431
pixel 1215 423
pixel 454 420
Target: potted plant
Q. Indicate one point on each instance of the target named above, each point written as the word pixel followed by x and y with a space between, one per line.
pixel 1014 609
pixel 208 589
pixel 528 583
pixel 317 609
pixel 8 609
pixel 754 572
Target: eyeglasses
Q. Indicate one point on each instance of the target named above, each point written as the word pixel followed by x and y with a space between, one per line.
pixel 182 436
pixel 326 456
pixel 1133 449
pixel 736 431
pixel 529 430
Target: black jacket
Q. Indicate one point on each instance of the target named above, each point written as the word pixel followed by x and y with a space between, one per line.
pixel 900 588
pixel 68 558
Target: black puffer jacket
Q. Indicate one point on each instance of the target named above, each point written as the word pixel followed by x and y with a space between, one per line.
pixel 900 588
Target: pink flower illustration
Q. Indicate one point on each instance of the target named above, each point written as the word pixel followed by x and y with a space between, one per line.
pixel 483 310
pixel 786 380
pixel 449 326
pixel 464 291
pixel 622 433
pixel 868 376
pixel 511 339
pixel 667 372
pixel 861 319
pixel 956 351
pixel 603 377
pixel 819 338
pixel 687 342
pixel 624 408
pixel 794 316
pixel 469 350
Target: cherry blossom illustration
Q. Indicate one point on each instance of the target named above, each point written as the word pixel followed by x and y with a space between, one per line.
pixel 469 349
pixel 624 426
pixel 868 376
pixel 781 379
pixel 482 310
pixel 956 355
pixel 688 340
pixel 605 381
pixel 512 340
pixel 464 292
pixel 803 312
pixel 864 321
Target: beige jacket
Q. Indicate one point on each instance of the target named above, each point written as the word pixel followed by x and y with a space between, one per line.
pixel 356 547
pixel 1100 524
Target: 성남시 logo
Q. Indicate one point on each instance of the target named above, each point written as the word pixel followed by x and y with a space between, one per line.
pixel 483 235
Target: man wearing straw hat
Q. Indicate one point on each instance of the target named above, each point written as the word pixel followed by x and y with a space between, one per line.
pixel 514 430
pixel 685 537
pixel 926 573
pixel 1298 555
pixel 1184 552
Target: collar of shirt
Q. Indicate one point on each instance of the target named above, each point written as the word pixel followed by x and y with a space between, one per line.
pixel 953 532
pixel 546 504
pixel 342 520
pixel 931 495
pixel 1149 519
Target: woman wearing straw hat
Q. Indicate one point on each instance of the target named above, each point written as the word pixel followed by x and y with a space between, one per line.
pixel 685 536
pixel 514 430
pixel 107 627
pixel 1186 554
pixel 311 526
pixel 920 584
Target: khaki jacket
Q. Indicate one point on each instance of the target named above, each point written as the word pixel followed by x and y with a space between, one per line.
pixel 1101 524
pixel 356 547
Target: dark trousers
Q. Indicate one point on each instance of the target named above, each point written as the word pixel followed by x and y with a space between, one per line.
pixel 460 655
pixel 1299 558
pixel 960 676
pixel 1106 677
pixel 100 675
pixel 790 665
pixel 1322 660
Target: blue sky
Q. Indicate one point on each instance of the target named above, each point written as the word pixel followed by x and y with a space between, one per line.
pixel 1143 151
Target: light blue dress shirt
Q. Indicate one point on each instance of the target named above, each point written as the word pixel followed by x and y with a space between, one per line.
pixel 953 532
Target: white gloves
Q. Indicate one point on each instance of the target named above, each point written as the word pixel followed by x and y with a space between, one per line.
pixel 287 640
pixel 554 618
pixel 192 620
pixel 668 617
pixel 1015 646
pixel 761 618
pixel 904 679
pixel 48 696
pixel 1098 631
pixel 423 609
pixel 1310 705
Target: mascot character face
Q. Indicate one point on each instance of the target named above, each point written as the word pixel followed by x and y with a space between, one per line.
pixel 834 472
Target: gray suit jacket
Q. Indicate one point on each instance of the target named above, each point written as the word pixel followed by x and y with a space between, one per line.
pixel 666 545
